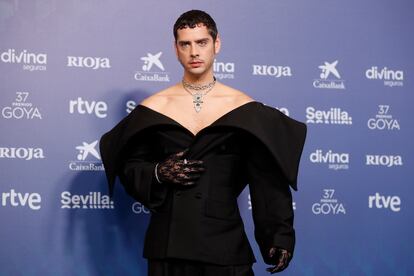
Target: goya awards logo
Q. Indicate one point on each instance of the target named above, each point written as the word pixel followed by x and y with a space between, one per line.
pixel 89 62
pixel 384 202
pixel 223 70
pixel 152 69
pixel 332 116
pixel 21 153
pixel 328 204
pixel 276 71
pixel 21 108
pixel 139 208
pixel 333 160
pixel 383 120
pixel 329 77
pixel 88 158
pixel 30 61
pixel 390 77
pixel 15 199
pixel 92 200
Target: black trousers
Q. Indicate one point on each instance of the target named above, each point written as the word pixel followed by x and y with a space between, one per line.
pixel 178 267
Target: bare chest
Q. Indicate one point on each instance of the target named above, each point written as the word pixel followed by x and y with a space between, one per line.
pixel 194 121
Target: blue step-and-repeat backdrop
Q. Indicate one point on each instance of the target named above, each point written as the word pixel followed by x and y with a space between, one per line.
pixel 70 70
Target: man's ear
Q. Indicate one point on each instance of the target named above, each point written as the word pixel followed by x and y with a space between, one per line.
pixel 217 44
pixel 175 48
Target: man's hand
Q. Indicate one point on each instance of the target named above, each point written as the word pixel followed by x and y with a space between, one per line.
pixel 180 171
pixel 282 258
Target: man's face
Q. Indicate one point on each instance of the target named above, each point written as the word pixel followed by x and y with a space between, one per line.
pixel 196 49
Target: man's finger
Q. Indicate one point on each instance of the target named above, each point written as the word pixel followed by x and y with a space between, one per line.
pixel 275 268
pixel 178 154
pixel 181 153
pixel 191 176
pixel 195 169
pixel 195 163
pixel 272 252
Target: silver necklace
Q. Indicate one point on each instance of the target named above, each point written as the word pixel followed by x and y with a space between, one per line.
pixel 200 91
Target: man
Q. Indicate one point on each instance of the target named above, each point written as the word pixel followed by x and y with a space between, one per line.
pixel 188 151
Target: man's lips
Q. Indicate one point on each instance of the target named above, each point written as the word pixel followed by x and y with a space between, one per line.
pixel 196 63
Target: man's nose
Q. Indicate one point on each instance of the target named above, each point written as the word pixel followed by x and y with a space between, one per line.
pixel 194 51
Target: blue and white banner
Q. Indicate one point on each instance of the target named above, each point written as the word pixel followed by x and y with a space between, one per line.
pixel 70 70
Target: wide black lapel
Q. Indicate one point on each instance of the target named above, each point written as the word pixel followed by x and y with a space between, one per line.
pixel 283 136
pixel 113 142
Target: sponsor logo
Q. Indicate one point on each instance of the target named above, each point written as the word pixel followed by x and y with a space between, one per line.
pixel 387 202
pixel 326 81
pixel 284 110
pixel 384 160
pixel 383 120
pixel 335 161
pixel 249 203
pixel 85 107
pixel 22 153
pixel 328 204
pixel 130 105
pixel 17 199
pixel 138 208
pixel 87 151
pixel 223 70
pixel 147 74
pixel 390 77
pixel 334 116
pixel 89 62
pixel 272 70
pixel 93 200
pixel 30 61
pixel 21 108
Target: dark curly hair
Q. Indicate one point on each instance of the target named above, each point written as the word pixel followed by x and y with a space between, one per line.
pixel 191 18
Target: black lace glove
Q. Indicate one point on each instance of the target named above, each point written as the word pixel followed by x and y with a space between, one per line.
pixel 180 171
pixel 281 256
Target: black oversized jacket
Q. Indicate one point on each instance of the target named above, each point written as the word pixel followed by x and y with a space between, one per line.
pixel 253 144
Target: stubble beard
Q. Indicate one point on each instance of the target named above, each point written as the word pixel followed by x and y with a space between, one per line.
pixel 197 73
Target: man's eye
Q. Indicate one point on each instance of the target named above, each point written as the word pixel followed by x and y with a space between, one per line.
pixel 202 43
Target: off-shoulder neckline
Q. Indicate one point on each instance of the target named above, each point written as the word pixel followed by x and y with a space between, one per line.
pixel 225 115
